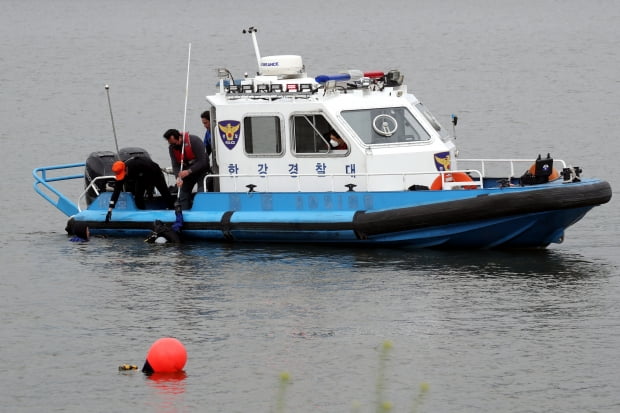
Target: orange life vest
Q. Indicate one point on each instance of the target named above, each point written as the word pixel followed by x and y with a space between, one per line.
pixel 187 154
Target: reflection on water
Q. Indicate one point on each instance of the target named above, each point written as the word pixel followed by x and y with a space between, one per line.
pixel 209 264
pixel 540 263
pixel 167 393
pixel 190 285
pixel 167 383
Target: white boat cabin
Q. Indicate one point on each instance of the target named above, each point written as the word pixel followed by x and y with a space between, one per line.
pixel 270 132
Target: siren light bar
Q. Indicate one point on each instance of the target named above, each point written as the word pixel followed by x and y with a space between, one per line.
pixel 349 75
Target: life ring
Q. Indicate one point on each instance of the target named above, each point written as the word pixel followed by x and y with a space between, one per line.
pixel 453 177
pixel 554 172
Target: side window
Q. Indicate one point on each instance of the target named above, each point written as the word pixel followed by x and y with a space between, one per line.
pixel 263 135
pixel 309 134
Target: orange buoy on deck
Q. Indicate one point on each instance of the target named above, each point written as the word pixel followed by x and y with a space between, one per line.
pixel 166 355
pixel 452 177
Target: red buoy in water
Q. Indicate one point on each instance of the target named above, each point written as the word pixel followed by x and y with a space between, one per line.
pixel 166 355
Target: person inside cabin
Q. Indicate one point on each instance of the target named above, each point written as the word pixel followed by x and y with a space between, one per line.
pixel 206 121
pixel 139 176
pixel 335 141
pixel 190 163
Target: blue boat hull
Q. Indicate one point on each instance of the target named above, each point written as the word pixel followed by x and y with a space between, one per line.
pixel 512 217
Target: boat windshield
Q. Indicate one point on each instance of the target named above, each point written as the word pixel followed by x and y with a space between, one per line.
pixel 385 125
pixel 433 121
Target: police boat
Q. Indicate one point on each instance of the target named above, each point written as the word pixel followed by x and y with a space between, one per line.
pixel 351 158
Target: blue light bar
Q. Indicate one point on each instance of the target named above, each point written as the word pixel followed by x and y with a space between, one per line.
pixel 348 75
pixel 340 77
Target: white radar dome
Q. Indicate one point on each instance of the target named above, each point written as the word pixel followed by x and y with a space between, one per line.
pixel 282 65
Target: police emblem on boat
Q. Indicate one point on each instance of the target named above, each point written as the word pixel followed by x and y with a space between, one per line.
pixel 229 131
pixel 442 161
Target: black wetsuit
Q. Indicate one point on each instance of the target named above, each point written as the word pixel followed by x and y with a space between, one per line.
pixel 142 176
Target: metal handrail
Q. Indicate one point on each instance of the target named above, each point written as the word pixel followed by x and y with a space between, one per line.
pixel 512 162
pixel 43 182
pixel 41 179
pixel 94 187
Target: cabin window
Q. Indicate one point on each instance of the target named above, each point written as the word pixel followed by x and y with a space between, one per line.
pixel 386 125
pixel 262 135
pixel 309 134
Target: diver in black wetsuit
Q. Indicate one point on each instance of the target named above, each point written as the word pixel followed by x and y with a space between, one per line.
pixel 138 175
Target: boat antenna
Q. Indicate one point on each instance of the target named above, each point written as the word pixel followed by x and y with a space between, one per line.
pixel 107 90
pixel 252 31
pixel 189 54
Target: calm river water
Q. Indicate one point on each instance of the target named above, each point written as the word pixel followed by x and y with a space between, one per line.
pixel 482 331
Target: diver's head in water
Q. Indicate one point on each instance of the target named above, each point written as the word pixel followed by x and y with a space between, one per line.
pixel 79 230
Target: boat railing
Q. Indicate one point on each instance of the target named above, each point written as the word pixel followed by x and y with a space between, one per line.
pixel 42 185
pixel 43 182
pixel 300 178
pixel 92 186
pixel 525 164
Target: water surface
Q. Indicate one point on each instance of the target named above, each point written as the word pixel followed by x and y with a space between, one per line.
pixel 489 331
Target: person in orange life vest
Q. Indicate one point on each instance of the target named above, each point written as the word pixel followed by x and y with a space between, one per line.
pixel 195 163
pixel 335 141
pixel 138 175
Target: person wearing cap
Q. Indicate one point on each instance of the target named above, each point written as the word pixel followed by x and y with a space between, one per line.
pixel 189 163
pixel 139 176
